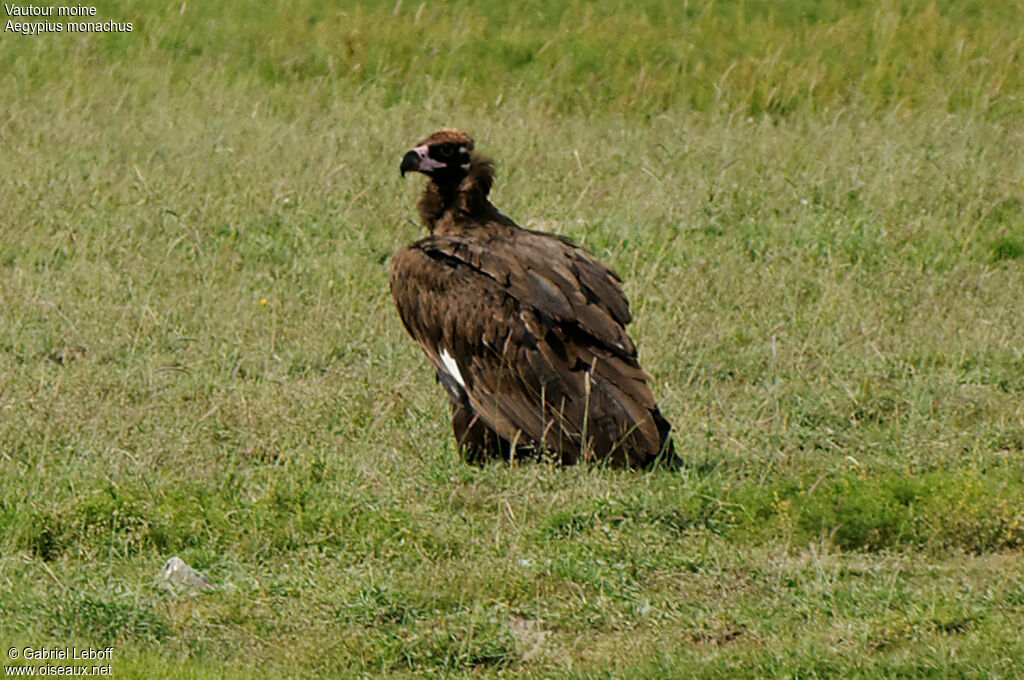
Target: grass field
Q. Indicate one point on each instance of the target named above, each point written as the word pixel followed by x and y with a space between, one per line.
pixel 818 210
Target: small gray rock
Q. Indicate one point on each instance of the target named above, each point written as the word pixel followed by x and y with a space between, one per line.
pixel 177 576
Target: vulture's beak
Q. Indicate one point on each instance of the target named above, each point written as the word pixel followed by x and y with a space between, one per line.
pixel 410 161
pixel 419 160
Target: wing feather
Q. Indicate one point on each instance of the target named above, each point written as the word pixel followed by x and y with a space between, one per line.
pixel 537 327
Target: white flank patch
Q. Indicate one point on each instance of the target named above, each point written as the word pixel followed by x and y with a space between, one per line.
pixel 453 368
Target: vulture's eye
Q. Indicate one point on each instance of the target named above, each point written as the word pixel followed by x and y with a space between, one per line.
pixel 446 150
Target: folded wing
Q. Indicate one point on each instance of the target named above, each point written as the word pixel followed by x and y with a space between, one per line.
pixel 527 334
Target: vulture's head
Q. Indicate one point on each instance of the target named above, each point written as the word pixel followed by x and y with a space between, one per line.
pixel 443 156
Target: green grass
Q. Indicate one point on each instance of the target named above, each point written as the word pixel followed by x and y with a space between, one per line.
pixel 817 209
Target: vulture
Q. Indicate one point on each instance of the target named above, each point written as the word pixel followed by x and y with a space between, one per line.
pixel 526 330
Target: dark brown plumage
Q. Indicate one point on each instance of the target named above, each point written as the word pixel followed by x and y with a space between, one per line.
pixel 526 330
